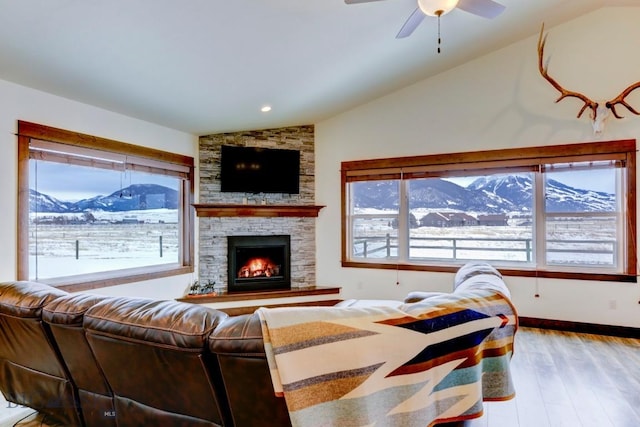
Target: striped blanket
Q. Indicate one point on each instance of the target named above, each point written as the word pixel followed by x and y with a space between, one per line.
pixel 423 362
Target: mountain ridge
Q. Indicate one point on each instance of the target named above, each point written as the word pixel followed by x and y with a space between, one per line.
pixel 493 195
pixel 133 197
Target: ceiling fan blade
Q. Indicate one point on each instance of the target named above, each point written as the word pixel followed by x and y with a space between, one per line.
pixel 411 24
pixel 359 1
pixel 485 8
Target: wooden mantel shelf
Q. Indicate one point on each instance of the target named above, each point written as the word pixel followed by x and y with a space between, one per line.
pixel 222 210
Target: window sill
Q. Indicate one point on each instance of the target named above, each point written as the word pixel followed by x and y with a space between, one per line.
pixel 506 271
pixel 102 280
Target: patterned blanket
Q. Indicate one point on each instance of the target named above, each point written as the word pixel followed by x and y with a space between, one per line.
pixel 435 360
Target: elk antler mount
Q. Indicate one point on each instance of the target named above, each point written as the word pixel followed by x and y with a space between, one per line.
pixel 599 109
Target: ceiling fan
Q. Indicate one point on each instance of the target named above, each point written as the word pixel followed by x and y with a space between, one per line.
pixel 485 8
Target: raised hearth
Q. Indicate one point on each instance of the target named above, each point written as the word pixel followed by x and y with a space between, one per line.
pixel 261 298
pixel 215 297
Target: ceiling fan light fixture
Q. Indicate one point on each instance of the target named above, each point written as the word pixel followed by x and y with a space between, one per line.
pixel 437 7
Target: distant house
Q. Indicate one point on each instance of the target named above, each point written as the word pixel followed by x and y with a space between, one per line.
pixel 492 220
pixel 448 219
pixel 130 219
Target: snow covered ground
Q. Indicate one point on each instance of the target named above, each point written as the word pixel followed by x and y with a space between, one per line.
pixel 585 240
pixel 112 241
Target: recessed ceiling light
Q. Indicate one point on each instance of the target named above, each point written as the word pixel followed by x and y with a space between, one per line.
pixel 266 108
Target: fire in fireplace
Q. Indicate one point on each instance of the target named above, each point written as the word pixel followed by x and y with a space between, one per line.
pixel 258 263
pixel 259 267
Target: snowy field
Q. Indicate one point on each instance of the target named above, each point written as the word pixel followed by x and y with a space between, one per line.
pixel 108 243
pixel 578 240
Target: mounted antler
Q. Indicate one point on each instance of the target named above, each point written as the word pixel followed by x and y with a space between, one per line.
pixel 620 100
pixel 599 110
pixel 542 40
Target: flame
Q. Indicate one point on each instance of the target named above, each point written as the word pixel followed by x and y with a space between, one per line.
pixel 259 267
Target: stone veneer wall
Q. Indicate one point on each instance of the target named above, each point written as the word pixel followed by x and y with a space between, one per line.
pixel 213 231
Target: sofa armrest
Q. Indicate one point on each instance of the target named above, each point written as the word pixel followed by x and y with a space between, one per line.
pixel 480 275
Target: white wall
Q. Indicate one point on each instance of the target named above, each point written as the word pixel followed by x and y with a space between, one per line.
pixel 21 103
pixel 497 101
pixel 512 107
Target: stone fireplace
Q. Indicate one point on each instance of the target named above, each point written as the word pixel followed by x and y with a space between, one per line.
pixel 248 219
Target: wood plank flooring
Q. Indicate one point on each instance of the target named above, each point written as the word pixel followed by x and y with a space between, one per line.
pixel 570 380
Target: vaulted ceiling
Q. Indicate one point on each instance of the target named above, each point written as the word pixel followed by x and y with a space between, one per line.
pixel 208 66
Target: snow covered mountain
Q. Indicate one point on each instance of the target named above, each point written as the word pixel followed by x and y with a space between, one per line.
pixel 43 203
pixel 559 198
pixel 134 197
pixel 508 193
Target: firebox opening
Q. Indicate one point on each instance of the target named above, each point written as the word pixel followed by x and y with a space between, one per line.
pixel 261 265
pixel 258 263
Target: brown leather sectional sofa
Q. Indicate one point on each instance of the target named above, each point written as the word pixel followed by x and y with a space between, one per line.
pixel 97 361
pixel 87 360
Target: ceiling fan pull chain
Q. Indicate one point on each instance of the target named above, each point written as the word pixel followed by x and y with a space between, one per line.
pixel 439 33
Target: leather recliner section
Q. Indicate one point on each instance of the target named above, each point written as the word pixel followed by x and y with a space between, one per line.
pixel 65 316
pixel 154 356
pixel 32 371
pixel 239 348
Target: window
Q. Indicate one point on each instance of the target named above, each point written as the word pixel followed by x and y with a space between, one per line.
pixel 96 212
pixel 562 211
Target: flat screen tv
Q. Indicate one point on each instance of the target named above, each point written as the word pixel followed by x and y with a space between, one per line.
pixel 259 170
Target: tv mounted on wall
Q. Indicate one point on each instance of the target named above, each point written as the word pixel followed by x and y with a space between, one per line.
pixel 259 170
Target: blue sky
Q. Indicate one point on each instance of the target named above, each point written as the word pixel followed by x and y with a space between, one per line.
pixel 72 183
pixel 593 179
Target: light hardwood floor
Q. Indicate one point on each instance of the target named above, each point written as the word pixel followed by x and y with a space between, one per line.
pixel 570 380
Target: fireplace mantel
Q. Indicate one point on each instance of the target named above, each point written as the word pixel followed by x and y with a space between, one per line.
pixel 235 210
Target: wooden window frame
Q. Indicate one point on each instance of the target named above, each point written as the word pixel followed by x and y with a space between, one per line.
pixel 149 158
pixel 473 162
